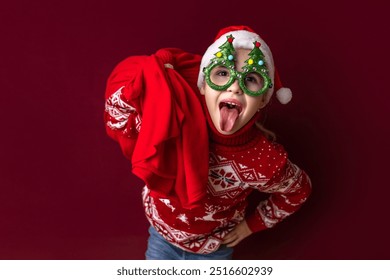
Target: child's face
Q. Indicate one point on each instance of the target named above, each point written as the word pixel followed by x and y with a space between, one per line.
pixel 231 109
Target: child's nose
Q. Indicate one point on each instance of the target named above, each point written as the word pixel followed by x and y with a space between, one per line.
pixel 235 88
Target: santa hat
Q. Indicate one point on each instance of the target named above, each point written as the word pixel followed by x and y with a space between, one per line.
pixel 244 38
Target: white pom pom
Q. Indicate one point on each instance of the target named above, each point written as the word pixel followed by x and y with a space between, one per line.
pixel 284 95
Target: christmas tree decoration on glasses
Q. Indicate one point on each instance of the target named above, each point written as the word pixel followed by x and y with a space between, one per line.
pixel 220 74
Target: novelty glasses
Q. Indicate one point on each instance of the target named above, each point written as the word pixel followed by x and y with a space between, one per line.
pixel 220 74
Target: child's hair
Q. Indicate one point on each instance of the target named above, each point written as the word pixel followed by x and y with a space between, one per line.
pixel 270 135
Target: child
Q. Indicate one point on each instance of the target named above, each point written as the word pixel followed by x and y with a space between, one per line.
pixel 192 136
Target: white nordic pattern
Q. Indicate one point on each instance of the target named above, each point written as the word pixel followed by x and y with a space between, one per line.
pixel 167 202
pixel 270 213
pixel 227 179
pixel 211 210
pixel 291 182
pixel 202 244
pixel 120 112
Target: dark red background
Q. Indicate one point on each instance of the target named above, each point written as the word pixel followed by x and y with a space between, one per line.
pixel 66 191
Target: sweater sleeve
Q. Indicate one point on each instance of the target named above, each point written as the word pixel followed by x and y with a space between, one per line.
pixel 122 116
pixel 288 189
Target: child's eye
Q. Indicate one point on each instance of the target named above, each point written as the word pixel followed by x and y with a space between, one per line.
pixel 253 81
pixel 253 78
pixel 223 73
pixel 220 75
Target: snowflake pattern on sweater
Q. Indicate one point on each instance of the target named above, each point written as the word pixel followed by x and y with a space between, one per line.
pixel 235 170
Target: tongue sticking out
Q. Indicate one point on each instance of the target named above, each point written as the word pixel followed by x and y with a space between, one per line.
pixel 228 118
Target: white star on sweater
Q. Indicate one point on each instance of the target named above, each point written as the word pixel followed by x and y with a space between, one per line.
pixel 183 218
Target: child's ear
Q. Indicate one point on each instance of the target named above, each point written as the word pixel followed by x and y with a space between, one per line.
pixel 263 102
pixel 202 89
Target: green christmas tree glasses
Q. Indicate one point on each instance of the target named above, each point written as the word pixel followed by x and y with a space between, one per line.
pixel 220 74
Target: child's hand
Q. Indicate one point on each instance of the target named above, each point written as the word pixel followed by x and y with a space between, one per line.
pixel 240 232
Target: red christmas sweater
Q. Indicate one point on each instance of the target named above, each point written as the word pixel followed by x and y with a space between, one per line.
pixel 239 164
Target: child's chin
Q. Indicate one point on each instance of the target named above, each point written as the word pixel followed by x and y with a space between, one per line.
pixel 233 130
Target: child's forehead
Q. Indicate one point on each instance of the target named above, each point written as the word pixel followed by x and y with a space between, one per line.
pixel 241 55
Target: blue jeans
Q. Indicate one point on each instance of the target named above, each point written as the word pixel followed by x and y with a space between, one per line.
pixel 161 249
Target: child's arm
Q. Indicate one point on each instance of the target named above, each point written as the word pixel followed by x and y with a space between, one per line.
pixel 122 106
pixel 122 121
pixel 289 189
pixel 170 152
